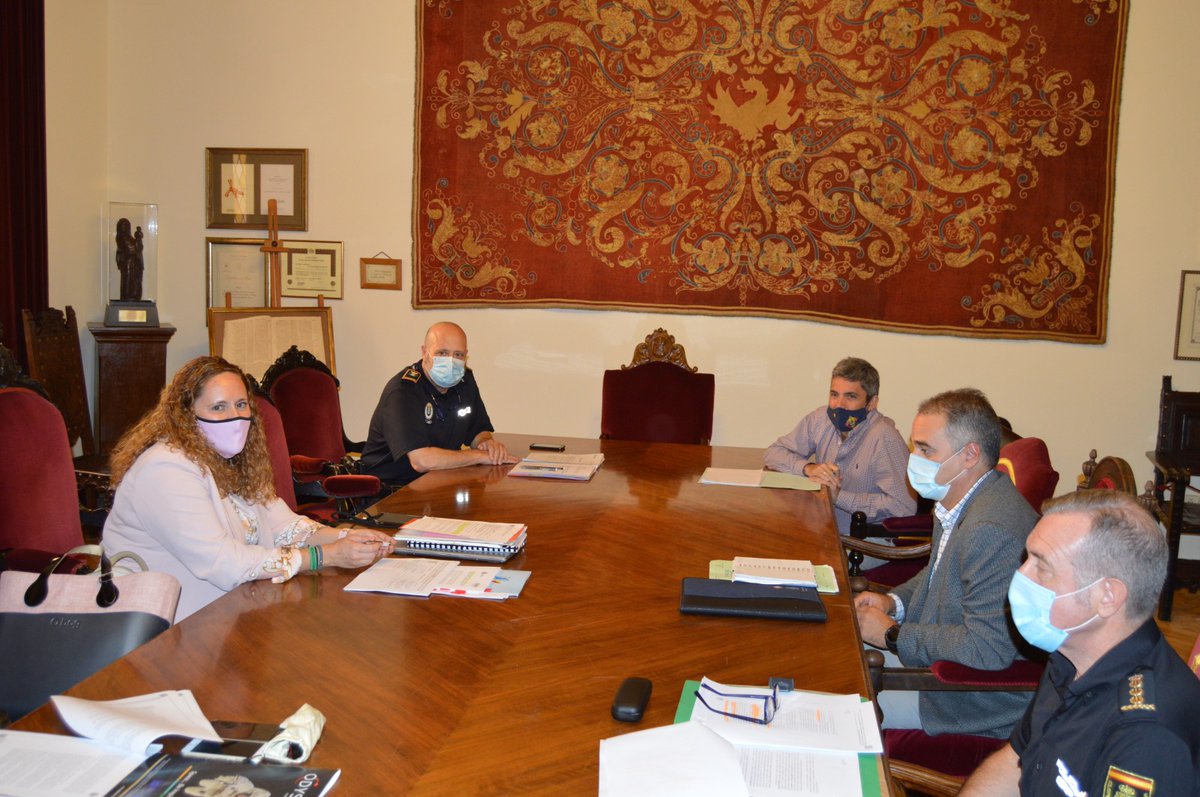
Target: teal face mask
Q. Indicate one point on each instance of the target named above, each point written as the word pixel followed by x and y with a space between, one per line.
pixel 447 371
pixel 1031 604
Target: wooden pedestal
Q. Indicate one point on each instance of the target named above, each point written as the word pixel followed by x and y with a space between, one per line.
pixel 131 372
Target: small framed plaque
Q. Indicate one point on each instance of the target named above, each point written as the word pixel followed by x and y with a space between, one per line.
pixel 379 272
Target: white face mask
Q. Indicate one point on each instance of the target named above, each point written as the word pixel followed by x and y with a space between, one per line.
pixel 228 437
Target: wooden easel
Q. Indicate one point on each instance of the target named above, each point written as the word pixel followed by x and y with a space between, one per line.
pixel 273 250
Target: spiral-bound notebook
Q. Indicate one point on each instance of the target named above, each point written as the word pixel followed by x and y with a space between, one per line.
pixel 456 551
pixel 448 538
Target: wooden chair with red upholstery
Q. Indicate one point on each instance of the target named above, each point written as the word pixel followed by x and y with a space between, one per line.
pixel 658 397
pixel 39 509
pixel 305 393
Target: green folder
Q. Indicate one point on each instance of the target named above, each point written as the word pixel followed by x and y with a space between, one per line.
pixel 868 763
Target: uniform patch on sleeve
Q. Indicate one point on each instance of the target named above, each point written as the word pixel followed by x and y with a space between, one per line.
pixel 1120 783
pixel 411 375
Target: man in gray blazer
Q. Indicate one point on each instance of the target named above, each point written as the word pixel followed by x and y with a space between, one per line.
pixel 954 609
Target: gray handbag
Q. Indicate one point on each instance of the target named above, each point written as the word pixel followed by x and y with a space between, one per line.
pixel 57 629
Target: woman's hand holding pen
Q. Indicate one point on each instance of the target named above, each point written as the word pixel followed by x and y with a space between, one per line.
pixel 358 547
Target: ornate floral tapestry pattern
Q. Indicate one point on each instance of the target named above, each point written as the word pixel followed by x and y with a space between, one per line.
pixel 937 166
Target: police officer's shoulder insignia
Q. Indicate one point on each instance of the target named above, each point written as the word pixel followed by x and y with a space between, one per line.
pixel 1121 783
pixel 411 375
pixel 1138 694
pixel 428 412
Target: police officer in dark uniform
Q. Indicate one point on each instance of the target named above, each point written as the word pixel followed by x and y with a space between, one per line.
pixel 1116 711
pixel 431 416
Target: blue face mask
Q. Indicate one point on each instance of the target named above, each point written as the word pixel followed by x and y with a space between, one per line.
pixel 447 371
pixel 922 475
pixel 845 420
pixel 1031 604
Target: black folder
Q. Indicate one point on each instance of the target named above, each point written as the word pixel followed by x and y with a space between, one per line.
pixel 741 599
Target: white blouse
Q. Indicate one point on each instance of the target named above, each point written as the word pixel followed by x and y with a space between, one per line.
pixel 169 511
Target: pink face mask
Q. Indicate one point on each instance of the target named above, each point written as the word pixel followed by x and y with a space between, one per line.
pixel 227 437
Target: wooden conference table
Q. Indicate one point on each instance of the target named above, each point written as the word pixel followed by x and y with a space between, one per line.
pixel 450 696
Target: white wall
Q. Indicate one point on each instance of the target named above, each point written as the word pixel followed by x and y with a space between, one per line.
pixel 338 79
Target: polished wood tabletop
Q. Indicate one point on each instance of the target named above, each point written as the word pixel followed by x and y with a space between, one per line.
pixel 451 696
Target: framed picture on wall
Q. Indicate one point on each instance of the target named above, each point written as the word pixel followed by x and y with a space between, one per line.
pixel 238 267
pixel 379 272
pixel 308 269
pixel 239 183
pixel 1187 322
pixel 254 337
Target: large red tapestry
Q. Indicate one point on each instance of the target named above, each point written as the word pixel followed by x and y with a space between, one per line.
pixel 935 166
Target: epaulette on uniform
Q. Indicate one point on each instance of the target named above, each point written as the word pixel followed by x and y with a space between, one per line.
pixel 411 375
pixel 1138 693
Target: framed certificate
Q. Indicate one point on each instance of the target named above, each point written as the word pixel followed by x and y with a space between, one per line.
pixel 1187 321
pixel 379 272
pixel 254 337
pixel 239 182
pixel 237 267
pixel 308 269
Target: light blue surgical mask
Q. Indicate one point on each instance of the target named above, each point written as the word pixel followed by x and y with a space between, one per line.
pixel 1031 604
pixel 447 371
pixel 922 475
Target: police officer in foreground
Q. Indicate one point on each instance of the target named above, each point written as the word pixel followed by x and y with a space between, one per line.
pixel 1116 711
pixel 431 416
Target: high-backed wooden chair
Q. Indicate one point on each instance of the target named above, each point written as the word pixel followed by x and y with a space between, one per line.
pixel 1176 456
pixel 658 397
pixel 52 348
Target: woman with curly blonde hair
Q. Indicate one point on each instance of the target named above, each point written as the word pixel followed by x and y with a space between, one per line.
pixel 195 494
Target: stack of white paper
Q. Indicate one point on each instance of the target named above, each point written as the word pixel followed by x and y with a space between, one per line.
pixel 425 577
pixel 777 572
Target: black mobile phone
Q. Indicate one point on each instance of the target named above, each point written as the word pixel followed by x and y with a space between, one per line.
pixel 547 447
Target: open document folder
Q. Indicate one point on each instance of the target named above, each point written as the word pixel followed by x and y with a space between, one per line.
pixel 660 761
pixel 740 477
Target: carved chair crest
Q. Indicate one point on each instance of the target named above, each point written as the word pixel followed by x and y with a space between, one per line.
pixel 293 358
pixel 659 346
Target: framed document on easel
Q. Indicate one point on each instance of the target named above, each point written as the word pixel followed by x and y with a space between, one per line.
pixel 253 337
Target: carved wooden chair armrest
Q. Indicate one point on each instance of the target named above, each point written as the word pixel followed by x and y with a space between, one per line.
pixel 921 780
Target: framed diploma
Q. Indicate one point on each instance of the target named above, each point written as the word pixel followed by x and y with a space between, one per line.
pixel 1187 321
pixel 238 184
pixel 379 272
pixel 308 269
pixel 237 267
